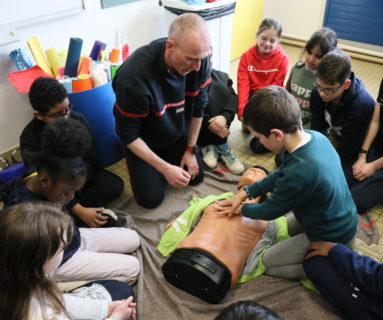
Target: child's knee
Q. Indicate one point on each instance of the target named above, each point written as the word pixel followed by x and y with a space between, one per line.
pixel 132 270
pixel 134 240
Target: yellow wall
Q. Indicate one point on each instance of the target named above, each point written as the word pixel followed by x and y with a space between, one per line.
pixel 247 17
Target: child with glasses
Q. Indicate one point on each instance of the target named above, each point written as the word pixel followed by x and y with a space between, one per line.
pixel 340 105
pixel 49 101
pixel 263 64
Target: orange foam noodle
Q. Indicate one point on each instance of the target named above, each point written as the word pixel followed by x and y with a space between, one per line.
pixel 82 84
pixel 115 55
pixel 84 66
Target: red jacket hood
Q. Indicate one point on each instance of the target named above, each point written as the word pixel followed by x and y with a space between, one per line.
pixel 254 51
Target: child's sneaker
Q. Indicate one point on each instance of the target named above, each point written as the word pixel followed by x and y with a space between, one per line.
pixel 232 163
pixel 210 156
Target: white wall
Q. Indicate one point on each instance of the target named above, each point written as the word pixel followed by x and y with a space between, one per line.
pixel 139 22
pixel 299 18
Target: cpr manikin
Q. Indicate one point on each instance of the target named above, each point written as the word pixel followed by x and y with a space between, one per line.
pixel 211 258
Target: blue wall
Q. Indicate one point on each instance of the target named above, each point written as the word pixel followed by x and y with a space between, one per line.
pixel 356 20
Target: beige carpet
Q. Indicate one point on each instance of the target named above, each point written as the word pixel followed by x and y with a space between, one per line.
pixel 157 299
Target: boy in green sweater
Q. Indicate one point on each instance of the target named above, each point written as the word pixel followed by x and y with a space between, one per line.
pixel 309 183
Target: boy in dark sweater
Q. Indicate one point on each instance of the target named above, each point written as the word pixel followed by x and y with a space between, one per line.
pixel 49 101
pixel 339 103
pixel 351 282
pixel 365 176
pixel 309 182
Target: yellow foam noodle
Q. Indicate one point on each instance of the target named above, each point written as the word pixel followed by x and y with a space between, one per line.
pixel 54 60
pixel 103 54
pixel 38 54
pixel 62 55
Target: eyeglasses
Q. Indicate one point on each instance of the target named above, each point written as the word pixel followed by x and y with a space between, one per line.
pixel 61 114
pixel 328 91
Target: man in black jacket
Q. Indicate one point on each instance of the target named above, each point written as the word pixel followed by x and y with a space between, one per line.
pixel 161 92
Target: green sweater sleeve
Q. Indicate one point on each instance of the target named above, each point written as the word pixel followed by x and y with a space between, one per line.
pixel 263 186
pixel 287 195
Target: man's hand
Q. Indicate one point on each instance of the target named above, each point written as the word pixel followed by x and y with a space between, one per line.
pixel 320 248
pixel 230 206
pixel 218 126
pixel 176 176
pixel 122 309
pixel 190 161
pixel 365 171
pixel 91 216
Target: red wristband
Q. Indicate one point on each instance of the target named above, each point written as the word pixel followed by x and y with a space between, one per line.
pixel 191 149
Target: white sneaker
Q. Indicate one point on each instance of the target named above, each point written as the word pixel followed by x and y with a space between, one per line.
pixel 232 163
pixel 210 156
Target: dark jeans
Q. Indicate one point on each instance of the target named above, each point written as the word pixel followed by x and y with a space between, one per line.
pixel 341 291
pixel 207 137
pixel 118 290
pixel 148 184
pixel 369 192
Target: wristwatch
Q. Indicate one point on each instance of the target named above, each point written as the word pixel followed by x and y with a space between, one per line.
pixel 363 151
pixel 191 149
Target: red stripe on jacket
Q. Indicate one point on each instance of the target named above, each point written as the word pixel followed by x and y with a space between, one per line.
pixel 195 93
pixel 169 105
pixel 166 106
pixel 131 115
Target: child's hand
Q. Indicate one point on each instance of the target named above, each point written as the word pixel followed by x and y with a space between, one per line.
pixel 365 171
pixel 230 206
pixel 320 248
pixel 122 309
pixel 217 125
pixel 358 165
pixel 91 216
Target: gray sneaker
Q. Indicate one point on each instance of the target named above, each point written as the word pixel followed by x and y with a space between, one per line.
pixel 232 163
pixel 210 156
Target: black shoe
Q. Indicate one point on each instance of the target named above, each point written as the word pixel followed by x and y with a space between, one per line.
pixel 257 147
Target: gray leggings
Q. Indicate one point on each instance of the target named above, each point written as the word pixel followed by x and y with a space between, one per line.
pixel 284 259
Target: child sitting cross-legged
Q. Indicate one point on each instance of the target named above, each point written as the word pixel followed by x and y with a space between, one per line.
pixel 93 253
pixel 50 102
pixel 215 127
pixel 33 237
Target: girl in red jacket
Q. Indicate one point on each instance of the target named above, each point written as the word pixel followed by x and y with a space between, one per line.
pixel 263 64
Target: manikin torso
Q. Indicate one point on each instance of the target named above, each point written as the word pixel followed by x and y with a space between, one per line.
pixel 229 239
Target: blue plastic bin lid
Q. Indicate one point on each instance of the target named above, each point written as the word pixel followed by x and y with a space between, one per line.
pixel 12 172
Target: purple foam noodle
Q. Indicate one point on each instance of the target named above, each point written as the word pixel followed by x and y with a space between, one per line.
pixel 98 46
